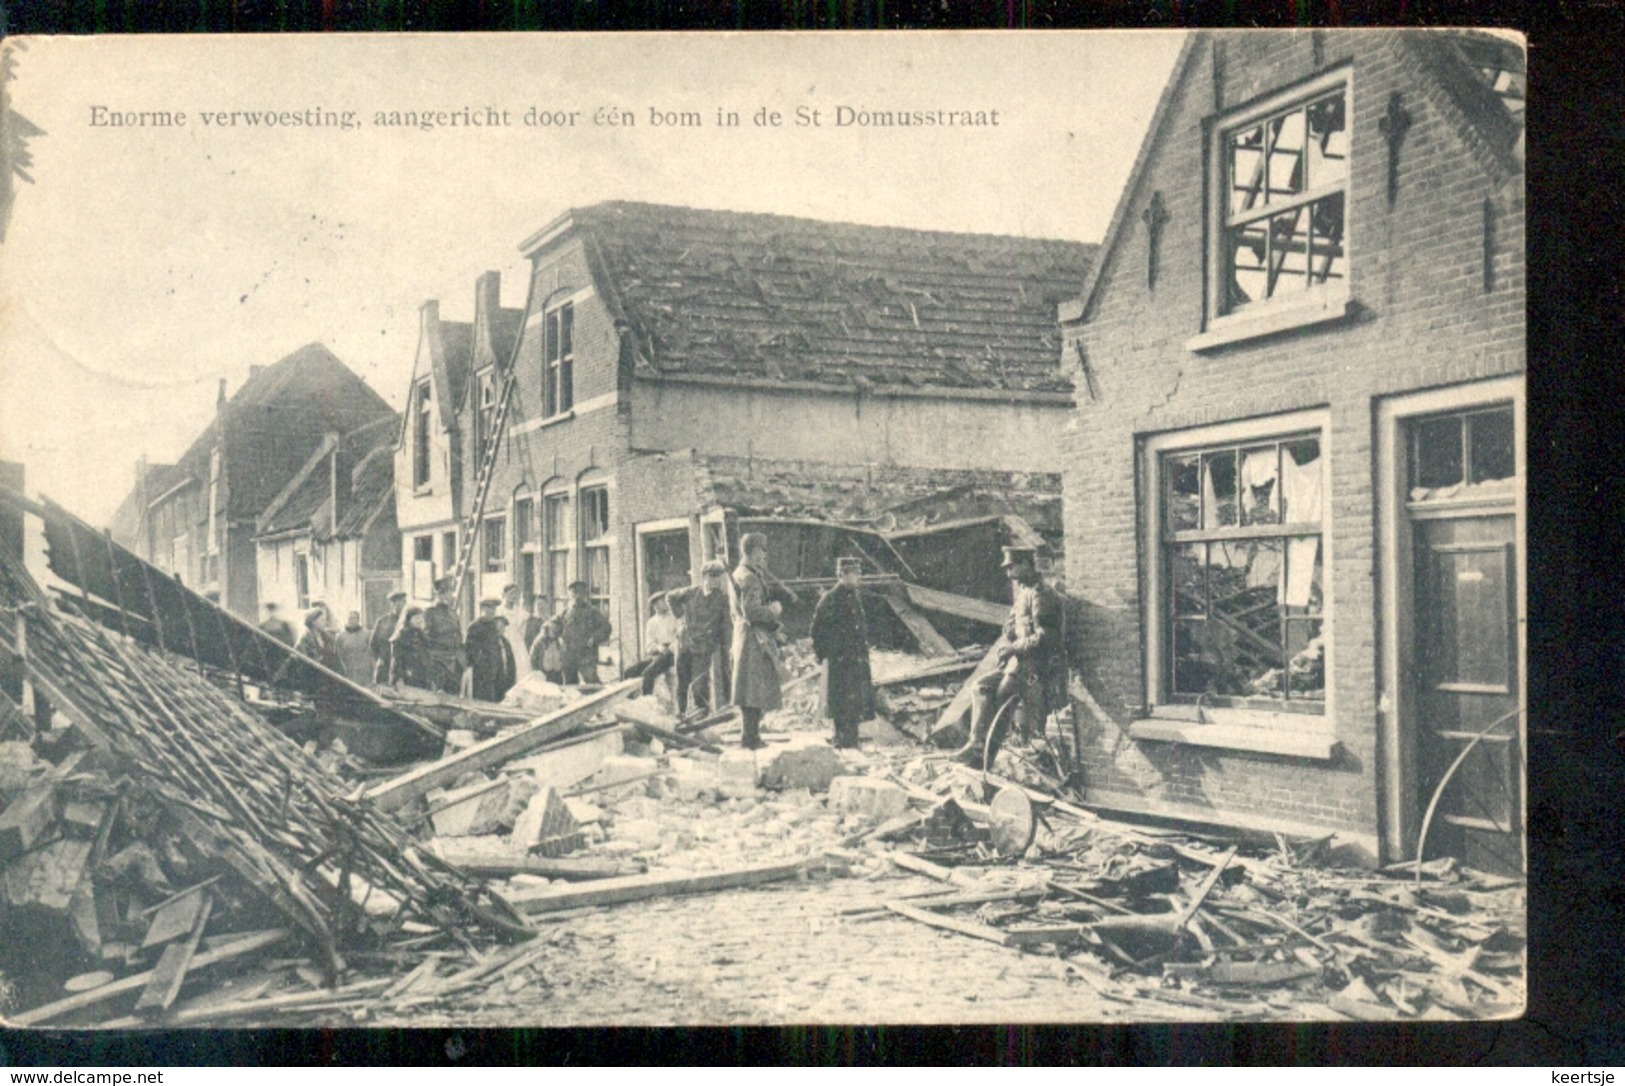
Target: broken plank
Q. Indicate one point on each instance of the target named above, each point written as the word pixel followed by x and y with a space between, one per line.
pixel 570 869
pixel 641 887
pixel 669 737
pixel 929 671
pixel 234 949
pixel 951 603
pixel 925 635
pixel 175 915
pixel 948 923
pixel 978 897
pixel 1257 974
pixel 496 751
pixel 170 972
pixel 959 708
pixel 910 862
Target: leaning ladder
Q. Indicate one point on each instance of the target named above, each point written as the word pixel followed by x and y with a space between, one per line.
pixel 482 485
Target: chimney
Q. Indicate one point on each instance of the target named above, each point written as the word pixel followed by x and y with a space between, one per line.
pixel 487 298
pixel 430 311
pixel 220 396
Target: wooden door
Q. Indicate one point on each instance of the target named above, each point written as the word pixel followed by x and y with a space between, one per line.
pixel 1466 682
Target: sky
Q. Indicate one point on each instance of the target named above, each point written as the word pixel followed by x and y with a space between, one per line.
pixel 145 263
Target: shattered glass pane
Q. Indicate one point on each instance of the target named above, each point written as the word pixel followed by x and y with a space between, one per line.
pixel 1328 142
pixel 1436 460
pixel 1219 489
pixel 1286 136
pixel 1306 660
pixel 1190 579
pixel 1184 493
pixel 1301 592
pixel 1490 439
pixel 1260 485
pixel 1248 247
pixel 1246 168
pixel 1326 253
pixel 1289 251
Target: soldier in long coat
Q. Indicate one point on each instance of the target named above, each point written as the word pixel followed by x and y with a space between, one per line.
pixel 1031 657
pixel 757 664
pixel 383 635
pixel 445 632
pixel 490 656
pixel 840 637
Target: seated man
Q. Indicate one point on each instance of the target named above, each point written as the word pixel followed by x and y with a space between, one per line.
pixel 1030 657
pixel 661 636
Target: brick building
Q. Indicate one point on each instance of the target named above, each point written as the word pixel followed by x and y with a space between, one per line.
pixel 196 518
pixel 1294 497
pixel 677 365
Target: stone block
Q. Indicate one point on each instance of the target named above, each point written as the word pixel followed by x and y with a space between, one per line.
pixel 869 799
pixel 811 766
pixel 737 774
pixel 624 767
pixel 692 778
pixel 567 765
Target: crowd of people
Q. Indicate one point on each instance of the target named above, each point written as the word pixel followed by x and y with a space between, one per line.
pixel 718 640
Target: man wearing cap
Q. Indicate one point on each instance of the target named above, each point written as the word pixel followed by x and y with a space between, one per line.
pixel 757 663
pixel 383 636
pixel 582 629
pixel 702 647
pixel 840 637
pixel 1030 657
pixel 445 630
pixel 490 657
pixel 277 626
pixel 660 636
pixel 517 614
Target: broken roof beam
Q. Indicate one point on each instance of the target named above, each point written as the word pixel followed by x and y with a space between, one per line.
pixel 951 603
pixel 925 635
pixel 496 751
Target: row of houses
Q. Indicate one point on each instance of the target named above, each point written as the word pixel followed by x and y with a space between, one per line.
pixel 1273 422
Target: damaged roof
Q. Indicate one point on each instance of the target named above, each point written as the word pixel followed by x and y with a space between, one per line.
pixel 366 479
pixel 738 295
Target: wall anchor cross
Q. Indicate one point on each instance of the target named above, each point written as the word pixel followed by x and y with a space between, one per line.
pixel 1395 122
pixel 1154 216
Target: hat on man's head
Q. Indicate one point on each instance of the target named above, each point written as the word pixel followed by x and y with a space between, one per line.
pixel 714 566
pixel 490 603
pixel 577 584
pixel 445 584
pixel 848 565
pixel 398 594
pixel 1014 556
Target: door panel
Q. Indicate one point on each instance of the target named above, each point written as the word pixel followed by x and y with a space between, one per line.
pixel 1466 681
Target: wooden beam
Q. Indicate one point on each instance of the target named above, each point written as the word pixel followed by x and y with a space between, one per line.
pixel 951 603
pixel 929 671
pixel 578 869
pixel 948 923
pixel 170 972
pixel 930 641
pixel 641 887
pixel 234 949
pixel 496 751
pixel 960 706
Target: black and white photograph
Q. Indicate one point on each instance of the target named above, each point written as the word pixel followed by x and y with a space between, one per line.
pixel 780 529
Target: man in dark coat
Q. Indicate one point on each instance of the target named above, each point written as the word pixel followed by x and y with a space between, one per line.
pixel 277 626
pixel 1031 661
pixel 582 629
pixel 840 637
pixel 409 663
pixel 757 662
pixel 490 656
pixel 383 633
pixel 703 644
pixel 317 643
pixel 445 630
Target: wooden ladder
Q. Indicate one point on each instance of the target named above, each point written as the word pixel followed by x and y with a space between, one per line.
pixel 482 486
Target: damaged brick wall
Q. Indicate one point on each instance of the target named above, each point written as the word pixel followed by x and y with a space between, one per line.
pixel 1426 314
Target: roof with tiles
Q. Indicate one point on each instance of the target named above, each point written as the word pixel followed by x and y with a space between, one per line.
pixel 740 295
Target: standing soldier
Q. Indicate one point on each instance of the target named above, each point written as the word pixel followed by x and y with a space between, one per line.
pixel 383 634
pixel 277 626
pixel 317 643
pixel 582 629
pixel 445 631
pixel 757 665
pixel 703 645
pixel 490 656
pixel 1031 661
pixel 840 637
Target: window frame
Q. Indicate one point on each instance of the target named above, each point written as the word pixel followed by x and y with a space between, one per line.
pixel 588 495
pixel 557 546
pixel 494 530
pixel 1254 724
pixel 422 436
pixel 1315 303
pixel 485 408
pixel 558 359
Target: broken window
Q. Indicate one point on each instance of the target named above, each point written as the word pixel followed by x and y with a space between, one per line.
pixel 559 357
pixel 595 542
pixel 494 546
pixel 420 436
pixel 1285 176
pixel 1243 611
pixel 1462 454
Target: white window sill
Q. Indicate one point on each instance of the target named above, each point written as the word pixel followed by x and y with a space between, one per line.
pixel 1314 744
pixel 543 423
pixel 1314 307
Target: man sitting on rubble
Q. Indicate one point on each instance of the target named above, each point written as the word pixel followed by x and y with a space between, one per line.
pixel 662 633
pixel 705 640
pixel 1030 657
pixel 490 656
pixel 445 631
